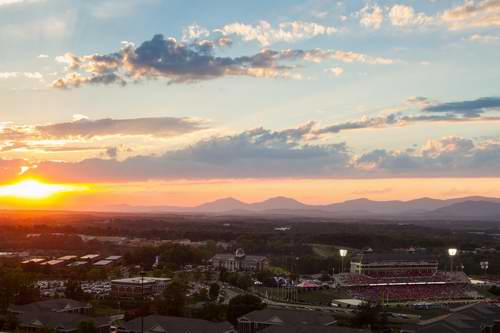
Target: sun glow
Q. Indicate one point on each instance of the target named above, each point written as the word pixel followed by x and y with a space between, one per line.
pixel 34 189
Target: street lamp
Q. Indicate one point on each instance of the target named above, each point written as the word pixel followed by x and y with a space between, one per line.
pixel 343 253
pixel 452 252
pixel 484 266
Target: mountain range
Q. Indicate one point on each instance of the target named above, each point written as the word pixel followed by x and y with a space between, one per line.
pixel 474 207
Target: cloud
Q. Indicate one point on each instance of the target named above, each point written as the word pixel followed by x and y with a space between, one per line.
pixel 265 34
pixel 168 59
pixel 470 108
pixel 59 137
pixel 473 14
pixel 46 148
pixel 335 71
pixel 195 31
pixel 256 153
pixel 484 39
pixel 27 75
pixel 262 153
pixel 404 16
pixel 8 75
pixel 398 119
pixel 112 152
pixel 371 17
pixel 446 157
pixel 179 62
pixel 18 2
pixel 86 128
pixel 319 55
pixel 42 56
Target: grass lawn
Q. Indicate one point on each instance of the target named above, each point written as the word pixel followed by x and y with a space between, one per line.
pixel 324 250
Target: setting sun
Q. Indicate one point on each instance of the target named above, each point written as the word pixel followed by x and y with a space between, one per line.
pixel 33 189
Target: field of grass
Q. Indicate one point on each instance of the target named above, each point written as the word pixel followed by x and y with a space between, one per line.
pixel 324 250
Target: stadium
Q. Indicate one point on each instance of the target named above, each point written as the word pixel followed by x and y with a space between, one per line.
pixel 402 278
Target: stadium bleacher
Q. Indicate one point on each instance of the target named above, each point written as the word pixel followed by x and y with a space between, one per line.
pixel 402 278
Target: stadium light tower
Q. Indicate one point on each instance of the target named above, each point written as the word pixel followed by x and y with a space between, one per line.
pixel 452 252
pixel 343 253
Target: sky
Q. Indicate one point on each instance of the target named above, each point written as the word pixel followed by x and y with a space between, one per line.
pixel 182 102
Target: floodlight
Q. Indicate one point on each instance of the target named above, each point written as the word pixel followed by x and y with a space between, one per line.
pixel 452 252
pixel 343 252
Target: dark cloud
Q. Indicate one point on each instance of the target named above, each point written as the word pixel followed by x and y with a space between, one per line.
pixel 255 154
pixel 158 127
pixel 471 108
pixel 262 153
pixel 397 119
pixel 169 59
pixel 191 61
pixel 447 157
pixel 112 152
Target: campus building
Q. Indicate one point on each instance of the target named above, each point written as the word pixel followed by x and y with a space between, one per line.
pixel 135 288
pixel 239 261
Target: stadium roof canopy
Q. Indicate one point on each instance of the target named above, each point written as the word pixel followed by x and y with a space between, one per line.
pixel 392 257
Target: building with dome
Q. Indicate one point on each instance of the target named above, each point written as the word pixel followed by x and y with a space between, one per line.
pixel 239 261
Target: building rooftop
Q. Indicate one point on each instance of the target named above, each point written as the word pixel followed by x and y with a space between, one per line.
pixel 54 305
pixel 62 322
pixel 103 262
pixel 67 258
pixel 34 260
pixel 230 256
pixel 311 329
pixel 90 256
pixel 53 262
pixel 166 324
pixel 139 280
pixel 469 318
pixel 113 258
pixel 368 258
pixel 77 263
pixel 273 316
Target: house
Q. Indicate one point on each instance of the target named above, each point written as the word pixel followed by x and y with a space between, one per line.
pixel 61 305
pixel 259 320
pixel 59 321
pixel 472 318
pixel 239 261
pixel 166 324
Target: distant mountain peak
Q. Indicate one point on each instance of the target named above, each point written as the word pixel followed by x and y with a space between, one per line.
pixel 467 207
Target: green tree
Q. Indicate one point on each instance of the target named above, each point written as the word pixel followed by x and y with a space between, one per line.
pixel 213 312
pixel 16 287
pixel 74 290
pixel 213 291
pixel 173 302
pixel 46 329
pixel 87 327
pixel 241 305
pixel 368 314
pixel 11 322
